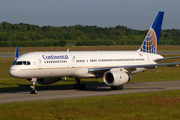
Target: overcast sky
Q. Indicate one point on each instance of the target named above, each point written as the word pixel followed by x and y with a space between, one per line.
pixel 135 14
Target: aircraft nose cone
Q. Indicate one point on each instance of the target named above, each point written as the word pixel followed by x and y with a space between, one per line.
pixel 13 72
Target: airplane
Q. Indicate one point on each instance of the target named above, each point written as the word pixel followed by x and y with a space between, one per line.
pixel 115 67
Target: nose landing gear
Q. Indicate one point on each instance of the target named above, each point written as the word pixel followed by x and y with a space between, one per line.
pixel 32 87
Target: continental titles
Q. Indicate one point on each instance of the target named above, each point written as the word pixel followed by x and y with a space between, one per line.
pixel 45 57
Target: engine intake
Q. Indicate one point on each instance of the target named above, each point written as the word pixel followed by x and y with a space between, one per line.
pixel 116 78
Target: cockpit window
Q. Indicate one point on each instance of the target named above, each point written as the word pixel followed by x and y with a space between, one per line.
pixel 21 63
pixel 28 63
pixel 24 62
pixel 14 63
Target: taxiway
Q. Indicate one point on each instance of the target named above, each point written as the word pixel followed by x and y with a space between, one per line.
pixel 100 90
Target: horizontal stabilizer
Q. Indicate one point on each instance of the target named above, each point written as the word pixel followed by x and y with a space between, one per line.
pixel 161 59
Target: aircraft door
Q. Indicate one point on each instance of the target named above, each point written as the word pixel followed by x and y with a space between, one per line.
pixel 148 58
pixel 73 61
pixel 39 62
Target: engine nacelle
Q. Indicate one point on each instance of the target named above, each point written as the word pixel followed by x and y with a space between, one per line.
pixel 116 78
pixel 45 81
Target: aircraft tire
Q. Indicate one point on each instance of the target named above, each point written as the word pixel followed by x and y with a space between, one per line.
pixel 75 86
pixel 83 86
pixel 79 86
pixel 121 87
pixel 33 91
pixel 113 87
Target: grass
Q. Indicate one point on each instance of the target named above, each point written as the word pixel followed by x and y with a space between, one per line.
pixel 162 105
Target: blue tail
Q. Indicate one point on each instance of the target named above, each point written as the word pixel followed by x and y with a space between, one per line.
pixel 16 53
pixel 151 40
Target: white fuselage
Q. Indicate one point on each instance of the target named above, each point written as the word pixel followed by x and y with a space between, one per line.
pixel 75 64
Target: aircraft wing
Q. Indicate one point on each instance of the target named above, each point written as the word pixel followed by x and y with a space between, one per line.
pixel 131 67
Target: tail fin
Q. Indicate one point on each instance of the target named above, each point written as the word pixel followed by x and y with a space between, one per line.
pixel 16 53
pixel 151 40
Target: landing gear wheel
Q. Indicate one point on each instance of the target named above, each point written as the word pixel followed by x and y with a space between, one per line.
pixel 33 91
pixel 75 86
pixel 83 86
pixel 120 87
pixel 113 87
pixel 79 85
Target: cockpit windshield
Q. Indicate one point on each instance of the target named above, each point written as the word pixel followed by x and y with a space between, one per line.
pixel 21 63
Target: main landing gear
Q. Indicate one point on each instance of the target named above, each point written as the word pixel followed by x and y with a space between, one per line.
pixel 120 87
pixel 32 87
pixel 79 85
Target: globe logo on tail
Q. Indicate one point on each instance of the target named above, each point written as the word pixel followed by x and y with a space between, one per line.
pixel 150 42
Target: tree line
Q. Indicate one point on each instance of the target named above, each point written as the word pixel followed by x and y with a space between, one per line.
pixel 26 35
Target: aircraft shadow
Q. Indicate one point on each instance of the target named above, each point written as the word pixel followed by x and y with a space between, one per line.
pixel 94 88
pixel 25 88
pixel 98 89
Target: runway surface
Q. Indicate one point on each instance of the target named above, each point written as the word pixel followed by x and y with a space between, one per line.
pixel 18 96
pixel 161 53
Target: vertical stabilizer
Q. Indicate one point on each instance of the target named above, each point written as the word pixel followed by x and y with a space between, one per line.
pixel 16 53
pixel 151 40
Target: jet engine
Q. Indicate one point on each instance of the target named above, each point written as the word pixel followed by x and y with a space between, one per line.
pixel 45 81
pixel 116 78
